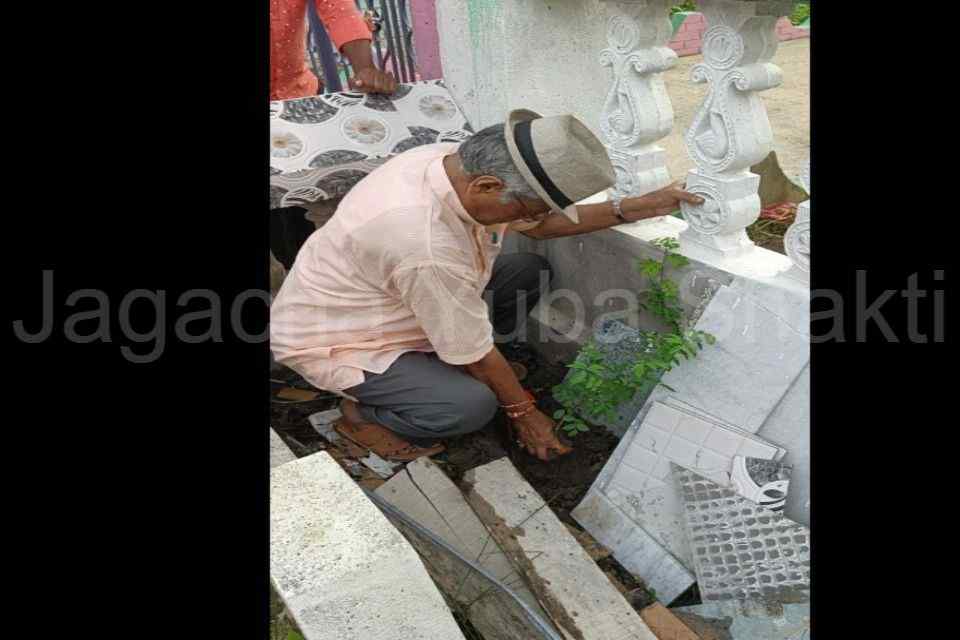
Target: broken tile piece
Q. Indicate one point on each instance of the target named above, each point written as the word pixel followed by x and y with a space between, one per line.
pixel 323 421
pixel 665 624
pixel 741 550
pixel 571 587
pixel 423 492
pixel 324 531
pixel 633 547
pixel 764 482
pixel 747 620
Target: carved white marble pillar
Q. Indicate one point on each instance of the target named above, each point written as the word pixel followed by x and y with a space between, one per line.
pixel 637 112
pixel 796 241
pixel 731 132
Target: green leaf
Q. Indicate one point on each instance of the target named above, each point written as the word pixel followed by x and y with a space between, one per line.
pixel 293 635
pixel 677 260
pixel 559 413
pixel 582 427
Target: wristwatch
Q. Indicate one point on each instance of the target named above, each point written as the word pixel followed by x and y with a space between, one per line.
pixel 617 210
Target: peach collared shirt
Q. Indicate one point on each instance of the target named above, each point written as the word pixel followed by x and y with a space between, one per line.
pixel 401 266
pixel 290 77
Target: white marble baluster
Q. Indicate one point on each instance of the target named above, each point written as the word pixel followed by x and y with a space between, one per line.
pixel 730 132
pixel 796 241
pixel 637 112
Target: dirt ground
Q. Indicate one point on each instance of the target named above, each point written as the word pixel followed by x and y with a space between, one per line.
pixel 788 107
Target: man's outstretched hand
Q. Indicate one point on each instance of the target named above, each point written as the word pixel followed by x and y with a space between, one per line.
pixel 537 434
pixel 373 80
pixel 658 203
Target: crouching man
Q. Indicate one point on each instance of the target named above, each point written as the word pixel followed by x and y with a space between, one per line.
pixel 385 304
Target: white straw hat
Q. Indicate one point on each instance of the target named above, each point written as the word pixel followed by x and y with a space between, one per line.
pixel 559 157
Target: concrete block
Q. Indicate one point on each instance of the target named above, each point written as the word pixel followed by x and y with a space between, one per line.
pixel 571 587
pixel 747 620
pixel 324 532
pixel 427 495
pixel 279 451
pixel 633 547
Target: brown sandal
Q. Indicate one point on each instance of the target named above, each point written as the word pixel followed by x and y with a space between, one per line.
pixel 377 438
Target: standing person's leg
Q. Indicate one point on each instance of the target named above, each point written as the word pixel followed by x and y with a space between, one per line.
pixel 515 289
pixel 423 399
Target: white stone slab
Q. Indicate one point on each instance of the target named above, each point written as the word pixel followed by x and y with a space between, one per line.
pixel 279 451
pixel 342 570
pixel 571 587
pixel 423 492
pixel 756 358
pixel 633 547
pixel 789 427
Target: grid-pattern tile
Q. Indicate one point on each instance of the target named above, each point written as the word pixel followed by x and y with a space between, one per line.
pixel 741 550
pixel 671 434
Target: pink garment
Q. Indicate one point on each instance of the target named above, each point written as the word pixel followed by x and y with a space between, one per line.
pixel 400 267
pixel 289 75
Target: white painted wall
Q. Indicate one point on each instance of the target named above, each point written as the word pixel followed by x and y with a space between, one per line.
pixel 542 55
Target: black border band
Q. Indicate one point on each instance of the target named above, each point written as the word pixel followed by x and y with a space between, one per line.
pixel 521 134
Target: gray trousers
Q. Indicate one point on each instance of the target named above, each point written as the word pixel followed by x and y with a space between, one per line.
pixel 423 398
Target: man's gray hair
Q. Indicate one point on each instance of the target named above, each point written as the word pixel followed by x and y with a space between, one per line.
pixel 485 153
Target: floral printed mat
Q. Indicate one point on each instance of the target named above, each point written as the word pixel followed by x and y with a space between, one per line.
pixel 320 146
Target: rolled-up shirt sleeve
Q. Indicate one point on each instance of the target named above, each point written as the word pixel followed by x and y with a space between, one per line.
pixel 343 21
pixel 449 308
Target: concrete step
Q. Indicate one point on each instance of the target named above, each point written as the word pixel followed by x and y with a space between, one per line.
pixel 340 567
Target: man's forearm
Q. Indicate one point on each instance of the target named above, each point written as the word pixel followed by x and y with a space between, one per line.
pixel 494 371
pixel 593 217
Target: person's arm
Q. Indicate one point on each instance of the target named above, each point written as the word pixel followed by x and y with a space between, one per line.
pixel 594 217
pixel 536 430
pixel 351 35
pixel 456 321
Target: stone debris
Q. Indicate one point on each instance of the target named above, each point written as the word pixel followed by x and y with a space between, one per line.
pixel 569 585
pixel 323 421
pixel 423 492
pixel 747 620
pixel 324 531
pixel 742 550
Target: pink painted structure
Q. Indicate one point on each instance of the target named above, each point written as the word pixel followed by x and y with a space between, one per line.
pixel 686 41
pixel 426 39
